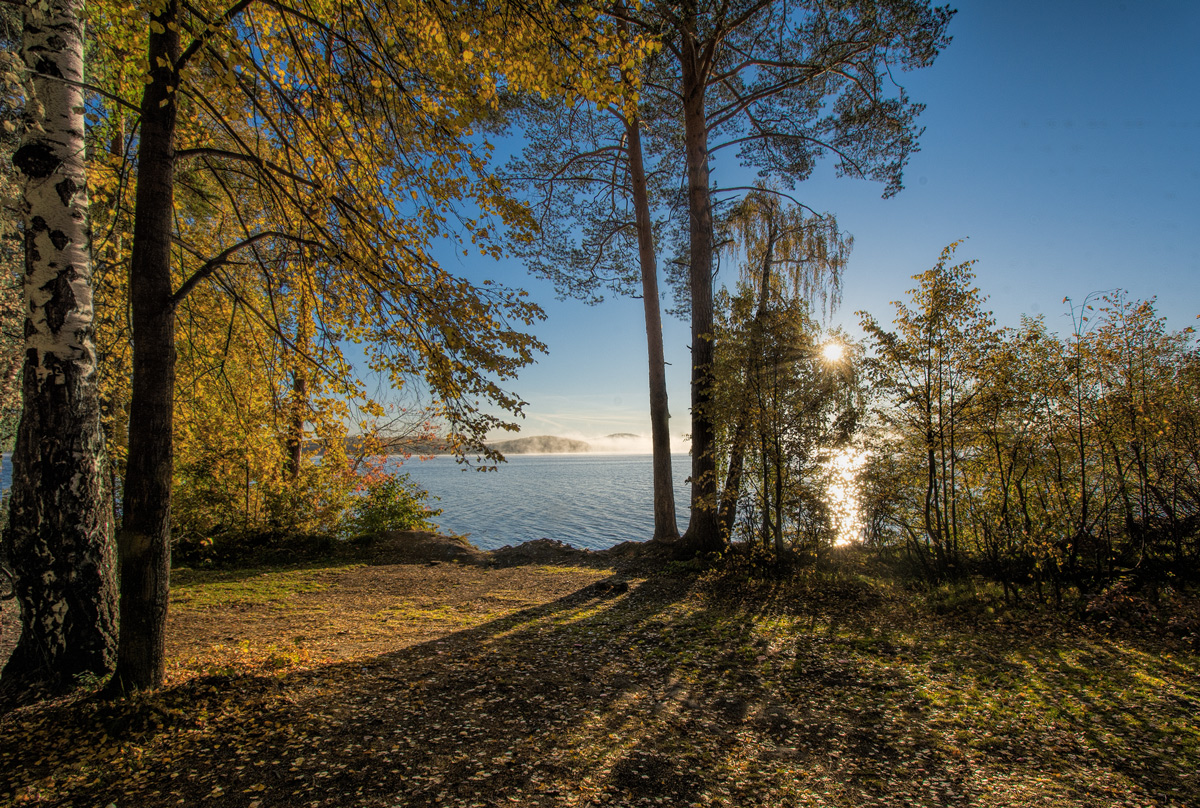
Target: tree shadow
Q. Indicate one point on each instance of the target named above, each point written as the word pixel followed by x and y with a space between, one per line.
pixel 414 721
pixel 678 691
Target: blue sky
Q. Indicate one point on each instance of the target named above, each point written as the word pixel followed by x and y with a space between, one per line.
pixel 1061 141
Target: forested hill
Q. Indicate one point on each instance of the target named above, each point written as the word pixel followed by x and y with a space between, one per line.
pixel 541 444
pixel 388 446
pixel 534 444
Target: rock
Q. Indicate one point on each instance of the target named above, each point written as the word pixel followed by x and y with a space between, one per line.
pixel 609 588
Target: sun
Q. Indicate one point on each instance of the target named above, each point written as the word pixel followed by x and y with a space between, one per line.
pixel 833 351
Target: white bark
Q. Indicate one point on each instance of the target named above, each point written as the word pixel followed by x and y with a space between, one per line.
pixel 58 287
pixel 59 539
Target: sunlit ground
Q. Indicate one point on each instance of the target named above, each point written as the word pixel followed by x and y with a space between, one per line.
pixel 842 493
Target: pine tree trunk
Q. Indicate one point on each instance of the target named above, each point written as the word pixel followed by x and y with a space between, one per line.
pixel 145 536
pixel 703 532
pixel 665 525
pixel 59 539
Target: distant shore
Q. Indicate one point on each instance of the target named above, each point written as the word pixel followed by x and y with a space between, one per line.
pixel 616 443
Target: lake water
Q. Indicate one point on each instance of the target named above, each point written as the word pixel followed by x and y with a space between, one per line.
pixel 587 500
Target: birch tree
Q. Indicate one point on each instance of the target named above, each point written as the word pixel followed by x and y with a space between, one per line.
pixel 790 260
pixel 59 538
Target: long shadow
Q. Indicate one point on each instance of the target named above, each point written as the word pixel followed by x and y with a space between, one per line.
pixel 411 723
pixel 673 693
pixel 841 708
pixel 775 714
pixel 1119 712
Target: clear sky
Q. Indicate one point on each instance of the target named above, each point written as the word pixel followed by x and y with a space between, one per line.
pixel 1062 141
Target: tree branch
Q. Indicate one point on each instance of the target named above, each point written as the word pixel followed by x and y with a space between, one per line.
pixel 225 256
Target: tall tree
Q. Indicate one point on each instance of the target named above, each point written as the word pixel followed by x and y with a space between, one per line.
pixel 784 84
pixel 601 208
pixel 59 536
pixel 347 133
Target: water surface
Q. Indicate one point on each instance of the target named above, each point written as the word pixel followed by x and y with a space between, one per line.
pixel 587 500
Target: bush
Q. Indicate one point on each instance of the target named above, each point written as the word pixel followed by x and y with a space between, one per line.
pixel 971 598
pixel 311 516
pixel 1119 605
pixel 390 502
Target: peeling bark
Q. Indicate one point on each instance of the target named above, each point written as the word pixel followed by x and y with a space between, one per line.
pixel 59 539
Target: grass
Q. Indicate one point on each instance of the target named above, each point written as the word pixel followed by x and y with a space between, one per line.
pixel 834 687
pixel 203 589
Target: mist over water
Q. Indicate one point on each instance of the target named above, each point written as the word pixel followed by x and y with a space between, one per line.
pixel 617 443
pixel 588 500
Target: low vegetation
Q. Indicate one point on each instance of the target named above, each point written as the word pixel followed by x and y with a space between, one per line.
pixel 591 683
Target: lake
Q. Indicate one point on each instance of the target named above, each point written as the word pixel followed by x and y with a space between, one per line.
pixel 587 500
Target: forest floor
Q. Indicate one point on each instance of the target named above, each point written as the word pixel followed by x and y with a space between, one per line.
pixel 583 680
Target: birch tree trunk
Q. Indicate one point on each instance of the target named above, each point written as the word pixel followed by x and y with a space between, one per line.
pixel 727 513
pixel 59 539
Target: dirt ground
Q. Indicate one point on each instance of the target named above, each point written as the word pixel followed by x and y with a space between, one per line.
pixel 403 589
pixel 354 611
pixel 588 680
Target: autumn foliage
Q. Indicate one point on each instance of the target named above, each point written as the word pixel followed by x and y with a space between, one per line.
pixel 1060 465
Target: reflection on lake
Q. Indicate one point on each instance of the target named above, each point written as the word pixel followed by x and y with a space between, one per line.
pixel 587 500
pixel 842 494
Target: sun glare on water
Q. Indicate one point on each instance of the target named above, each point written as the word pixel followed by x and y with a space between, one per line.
pixel 842 494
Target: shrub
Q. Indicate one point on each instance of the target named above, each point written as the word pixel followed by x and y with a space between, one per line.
pixel 390 502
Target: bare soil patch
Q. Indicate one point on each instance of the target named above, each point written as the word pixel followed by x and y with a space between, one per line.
pixel 350 611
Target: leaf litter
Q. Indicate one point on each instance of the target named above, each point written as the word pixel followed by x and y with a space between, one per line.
pixel 538 685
